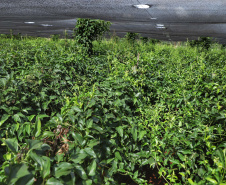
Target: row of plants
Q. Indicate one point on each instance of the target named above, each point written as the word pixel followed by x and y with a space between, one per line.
pixel 118 112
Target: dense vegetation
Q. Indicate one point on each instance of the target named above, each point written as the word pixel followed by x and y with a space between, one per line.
pixel 88 30
pixel 130 113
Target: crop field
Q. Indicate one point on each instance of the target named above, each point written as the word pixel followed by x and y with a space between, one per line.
pixel 130 113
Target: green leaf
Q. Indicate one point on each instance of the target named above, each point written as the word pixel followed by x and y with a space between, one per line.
pixel 69 179
pixel 91 103
pixel 30 118
pixel 48 134
pixel 41 116
pixel 45 166
pixel 35 157
pixel 92 168
pixel 16 118
pixel 34 144
pixel 38 128
pixel 81 172
pixel 220 154
pixel 93 143
pixel 174 161
pixel 53 181
pixel 134 133
pixel 3 82
pixel 182 174
pixel 16 171
pixel 110 160
pixel 191 182
pixel 76 109
pixel 201 172
pixel 78 138
pixel 63 168
pixel 43 161
pixel 28 128
pixel 59 157
pixel 182 158
pixel 118 93
pixel 122 170
pixel 141 135
pixel 90 152
pixel 120 130
pixel 113 169
pixel 152 161
pixel 89 123
pixel 12 144
pixel 79 157
pixel 118 156
pixel 135 175
pixel 185 151
pixel 88 182
pixel 211 180
pixel 27 179
pixel 223 145
pixel 4 119
pixel 99 129
pixel 17 126
pixel 144 162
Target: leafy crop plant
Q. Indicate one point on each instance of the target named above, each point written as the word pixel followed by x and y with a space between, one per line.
pixel 149 113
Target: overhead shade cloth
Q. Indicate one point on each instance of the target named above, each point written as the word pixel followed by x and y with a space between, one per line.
pixel 165 19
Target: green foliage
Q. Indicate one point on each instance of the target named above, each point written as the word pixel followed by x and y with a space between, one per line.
pixel 120 117
pixel 88 30
pixel 154 41
pixel 131 37
pixel 202 42
pixel 144 39
pixel 55 37
pixel 151 41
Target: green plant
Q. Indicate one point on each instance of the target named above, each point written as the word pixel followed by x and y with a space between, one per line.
pixel 88 30
pixel 144 39
pixel 142 114
pixel 55 37
pixel 154 41
pixel 131 37
pixel 203 42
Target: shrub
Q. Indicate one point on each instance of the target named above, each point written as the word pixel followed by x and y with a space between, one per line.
pixel 88 30
pixel 144 39
pixel 55 37
pixel 154 41
pixel 203 42
pixel 131 37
